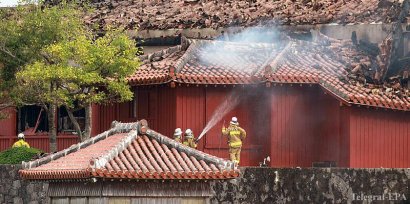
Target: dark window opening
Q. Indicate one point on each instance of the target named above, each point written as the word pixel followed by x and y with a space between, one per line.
pixel 64 123
pixel 31 120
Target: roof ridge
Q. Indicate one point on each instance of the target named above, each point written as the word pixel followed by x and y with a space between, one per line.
pixel 272 61
pixel 116 127
pixel 193 45
pixel 102 160
pixel 222 164
pixel 160 53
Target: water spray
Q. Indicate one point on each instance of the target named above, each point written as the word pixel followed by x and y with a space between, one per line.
pixel 229 104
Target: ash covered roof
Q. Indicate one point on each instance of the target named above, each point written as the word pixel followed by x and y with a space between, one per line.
pixel 341 67
pixel 129 151
pixel 227 13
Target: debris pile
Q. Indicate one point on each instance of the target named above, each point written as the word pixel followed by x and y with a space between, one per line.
pixel 358 72
pixel 149 14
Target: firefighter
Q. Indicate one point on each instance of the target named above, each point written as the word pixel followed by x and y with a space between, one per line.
pixel 235 137
pixel 189 139
pixel 20 142
pixel 177 135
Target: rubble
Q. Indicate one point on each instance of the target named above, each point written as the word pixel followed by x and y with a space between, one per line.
pixel 149 14
pixel 356 75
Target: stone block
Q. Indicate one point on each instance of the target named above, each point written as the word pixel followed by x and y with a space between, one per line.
pixel 30 188
pixel 18 200
pixel 45 187
pixel 16 184
pixel 34 196
pixel 13 192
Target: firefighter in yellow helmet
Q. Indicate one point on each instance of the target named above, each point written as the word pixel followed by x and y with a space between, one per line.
pixel 177 135
pixel 20 142
pixel 235 137
pixel 189 139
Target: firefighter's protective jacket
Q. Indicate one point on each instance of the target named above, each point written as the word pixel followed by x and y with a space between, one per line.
pixel 21 143
pixel 235 135
pixel 177 139
pixel 190 142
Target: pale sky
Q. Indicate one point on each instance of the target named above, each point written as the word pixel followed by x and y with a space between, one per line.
pixel 4 3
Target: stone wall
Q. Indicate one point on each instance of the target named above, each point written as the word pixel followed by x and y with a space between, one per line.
pixel 262 185
pixel 15 190
pixel 268 185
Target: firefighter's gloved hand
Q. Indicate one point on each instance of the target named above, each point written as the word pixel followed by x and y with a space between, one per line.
pixel 196 141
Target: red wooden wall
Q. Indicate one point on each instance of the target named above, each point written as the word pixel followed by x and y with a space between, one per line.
pixel 253 116
pixel 294 136
pixel 8 126
pixel 190 111
pixel 306 127
pixel 155 104
pixel 296 125
pixel 379 138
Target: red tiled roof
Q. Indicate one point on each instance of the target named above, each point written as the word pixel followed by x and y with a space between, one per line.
pixel 215 14
pixel 206 62
pixel 316 63
pixel 156 67
pixel 325 61
pixel 125 153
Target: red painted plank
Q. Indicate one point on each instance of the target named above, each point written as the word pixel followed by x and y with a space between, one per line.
pixel 372 138
pixel 8 126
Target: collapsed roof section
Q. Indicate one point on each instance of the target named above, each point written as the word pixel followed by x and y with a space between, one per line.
pixel 129 151
pixel 341 67
pixel 216 14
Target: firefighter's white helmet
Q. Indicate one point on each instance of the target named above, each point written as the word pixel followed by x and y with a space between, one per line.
pixel 188 133
pixel 20 136
pixel 234 121
pixel 177 132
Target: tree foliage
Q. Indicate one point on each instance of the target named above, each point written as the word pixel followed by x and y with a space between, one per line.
pixel 83 69
pixel 29 28
pixel 18 154
pixel 51 59
pixel 24 32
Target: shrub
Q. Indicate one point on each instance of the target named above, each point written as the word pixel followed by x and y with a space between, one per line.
pixel 17 155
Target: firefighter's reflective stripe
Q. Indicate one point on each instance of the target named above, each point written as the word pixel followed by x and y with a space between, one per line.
pixel 234 132
pixel 235 144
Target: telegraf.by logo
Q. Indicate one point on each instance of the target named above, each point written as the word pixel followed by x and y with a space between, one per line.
pixel 386 197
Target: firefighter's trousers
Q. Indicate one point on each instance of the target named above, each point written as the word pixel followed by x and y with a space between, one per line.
pixel 235 154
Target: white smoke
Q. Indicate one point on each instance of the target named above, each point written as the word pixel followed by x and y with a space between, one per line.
pixel 233 55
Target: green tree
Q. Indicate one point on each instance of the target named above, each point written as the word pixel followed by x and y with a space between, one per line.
pixel 82 70
pixel 49 58
pixel 27 29
pixel 24 32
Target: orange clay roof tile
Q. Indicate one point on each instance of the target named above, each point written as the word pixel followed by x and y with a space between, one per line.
pixel 206 62
pixel 123 153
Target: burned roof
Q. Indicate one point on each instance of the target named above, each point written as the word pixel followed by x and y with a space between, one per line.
pixel 216 14
pixel 129 151
pixel 350 73
pixel 155 67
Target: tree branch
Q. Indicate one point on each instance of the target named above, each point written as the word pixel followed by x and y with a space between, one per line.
pixel 75 123
pixel 46 57
pixel 6 51
pixel 6 105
